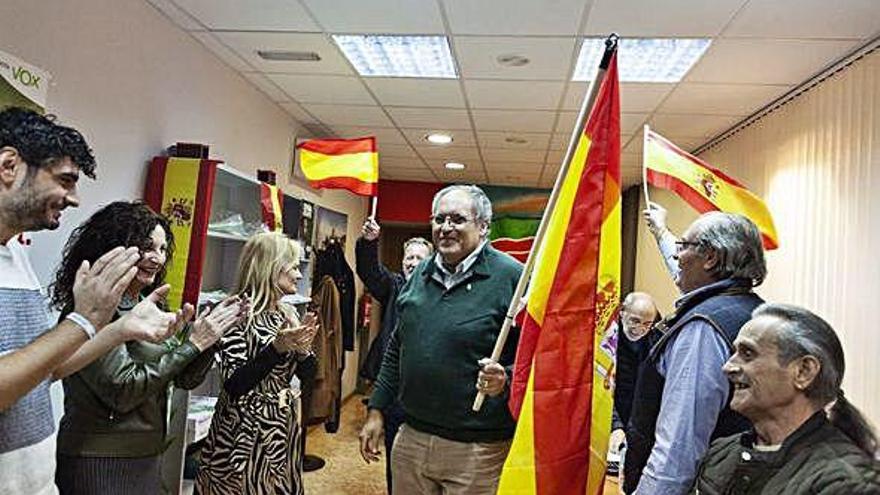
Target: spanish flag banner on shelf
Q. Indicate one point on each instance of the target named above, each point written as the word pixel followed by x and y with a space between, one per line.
pixel 181 189
pixel 351 164
pixel 271 201
pixel 560 386
pixel 703 187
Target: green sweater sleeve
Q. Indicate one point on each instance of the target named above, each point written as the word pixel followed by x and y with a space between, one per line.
pixel 122 383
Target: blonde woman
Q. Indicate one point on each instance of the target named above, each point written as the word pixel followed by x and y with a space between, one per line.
pixel 253 443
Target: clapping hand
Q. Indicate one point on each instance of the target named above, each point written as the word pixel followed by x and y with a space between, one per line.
pixel 299 338
pixel 147 321
pixel 213 323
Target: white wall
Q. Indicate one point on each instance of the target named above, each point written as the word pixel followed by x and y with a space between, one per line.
pixel 134 83
pixel 816 162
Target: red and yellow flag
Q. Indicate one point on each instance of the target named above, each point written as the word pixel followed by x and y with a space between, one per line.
pixel 559 385
pixel 351 164
pixel 703 187
pixel 181 189
pixel 271 201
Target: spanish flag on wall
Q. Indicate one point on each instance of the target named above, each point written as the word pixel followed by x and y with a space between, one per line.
pixel 181 189
pixel 351 164
pixel 271 204
pixel 703 187
pixel 560 387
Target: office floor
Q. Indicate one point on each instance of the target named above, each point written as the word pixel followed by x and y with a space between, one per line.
pixel 345 472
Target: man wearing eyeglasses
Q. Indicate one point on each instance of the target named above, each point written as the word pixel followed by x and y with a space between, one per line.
pixel 635 337
pixel 682 396
pixel 450 312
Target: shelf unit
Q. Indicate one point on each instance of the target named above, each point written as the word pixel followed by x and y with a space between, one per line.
pixel 235 215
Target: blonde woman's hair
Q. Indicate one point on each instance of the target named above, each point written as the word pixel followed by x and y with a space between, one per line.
pixel 262 261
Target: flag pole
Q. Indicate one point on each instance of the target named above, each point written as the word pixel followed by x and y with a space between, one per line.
pixel 374 201
pixel 645 132
pixel 586 109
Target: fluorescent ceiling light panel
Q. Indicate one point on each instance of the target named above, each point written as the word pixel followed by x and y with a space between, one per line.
pixel 662 60
pixel 398 56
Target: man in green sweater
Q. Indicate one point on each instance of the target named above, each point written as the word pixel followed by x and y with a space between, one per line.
pixel 450 312
pixel 786 372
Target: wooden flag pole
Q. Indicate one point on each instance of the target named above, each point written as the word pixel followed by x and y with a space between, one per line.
pixel 586 109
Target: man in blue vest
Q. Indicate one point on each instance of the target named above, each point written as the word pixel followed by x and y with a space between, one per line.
pixel 682 396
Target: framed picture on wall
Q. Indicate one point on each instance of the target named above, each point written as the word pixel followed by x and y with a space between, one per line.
pixel 330 226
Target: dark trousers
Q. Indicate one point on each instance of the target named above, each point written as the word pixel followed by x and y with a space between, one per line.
pixel 393 418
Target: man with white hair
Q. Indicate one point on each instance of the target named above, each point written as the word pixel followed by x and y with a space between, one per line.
pixel 787 368
pixel 450 313
pixel 682 396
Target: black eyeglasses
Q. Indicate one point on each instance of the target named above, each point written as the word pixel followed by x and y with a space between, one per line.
pixel 682 245
pixel 454 218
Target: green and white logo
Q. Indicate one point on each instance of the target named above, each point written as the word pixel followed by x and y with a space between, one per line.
pixel 22 84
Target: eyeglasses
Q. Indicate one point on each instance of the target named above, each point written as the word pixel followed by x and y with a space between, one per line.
pixel 682 245
pixel 634 321
pixel 454 218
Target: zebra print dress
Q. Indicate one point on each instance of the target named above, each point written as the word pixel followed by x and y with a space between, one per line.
pixel 253 446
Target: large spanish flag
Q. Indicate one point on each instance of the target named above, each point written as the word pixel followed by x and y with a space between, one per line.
pixel 559 386
pixel 351 164
pixel 703 187
pixel 181 189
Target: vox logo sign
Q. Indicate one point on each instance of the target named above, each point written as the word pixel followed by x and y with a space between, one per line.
pixel 26 77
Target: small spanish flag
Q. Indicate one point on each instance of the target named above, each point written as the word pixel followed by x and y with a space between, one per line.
pixel 270 206
pixel 703 187
pixel 351 164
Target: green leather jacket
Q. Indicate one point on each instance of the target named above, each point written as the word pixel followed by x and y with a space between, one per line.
pixel 117 405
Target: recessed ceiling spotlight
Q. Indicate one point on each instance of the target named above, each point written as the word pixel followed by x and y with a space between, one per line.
pixel 438 138
pixel 512 60
pixel 455 166
pixel 515 140
pixel 287 56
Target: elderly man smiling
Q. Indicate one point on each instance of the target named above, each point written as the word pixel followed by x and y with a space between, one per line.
pixel 787 369
pixel 450 312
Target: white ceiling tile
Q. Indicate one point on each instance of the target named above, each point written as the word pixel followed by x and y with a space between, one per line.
pixel 502 154
pixel 266 86
pixel 669 18
pixel 691 124
pixel 396 150
pixel 177 15
pixel 444 118
pixel 228 56
pixel 412 92
pixel 447 153
pixel 634 97
pixel 514 120
pixel 492 139
pixel 463 138
pixel 253 15
pixel 720 99
pixel 308 88
pixel 246 45
pixel 514 17
pixel 630 161
pixel 560 139
pixel 745 61
pixel 368 116
pixel 378 16
pixel 550 58
pixel 534 95
pixel 299 113
pixel 383 135
pixel 806 19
